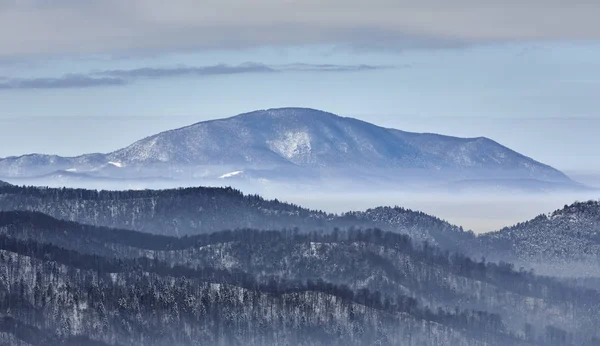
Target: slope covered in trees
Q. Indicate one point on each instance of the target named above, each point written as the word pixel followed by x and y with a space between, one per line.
pixel 98 300
pixel 565 242
pixel 200 210
pixel 420 280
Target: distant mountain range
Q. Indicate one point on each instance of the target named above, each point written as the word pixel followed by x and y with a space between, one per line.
pixel 297 144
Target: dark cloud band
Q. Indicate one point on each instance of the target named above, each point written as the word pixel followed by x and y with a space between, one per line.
pixel 109 78
pixel 64 82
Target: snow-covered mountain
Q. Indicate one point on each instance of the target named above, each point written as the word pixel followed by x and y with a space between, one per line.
pixel 296 140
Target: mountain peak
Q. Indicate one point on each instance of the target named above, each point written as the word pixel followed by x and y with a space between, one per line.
pixel 293 139
pixel 288 113
pixel 298 111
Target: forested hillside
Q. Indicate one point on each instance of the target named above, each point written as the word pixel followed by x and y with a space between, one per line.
pixel 382 273
pixel 565 242
pixel 392 264
pixel 200 210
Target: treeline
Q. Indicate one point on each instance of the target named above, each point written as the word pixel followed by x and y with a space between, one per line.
pixel 143 287
pixel 373 246
pixel 176 193
pixel 478 320
pixel 192 211
pixel 501 274
pixel 32 335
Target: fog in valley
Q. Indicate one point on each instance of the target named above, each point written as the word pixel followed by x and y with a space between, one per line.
pixel 477 212
pixel 480 212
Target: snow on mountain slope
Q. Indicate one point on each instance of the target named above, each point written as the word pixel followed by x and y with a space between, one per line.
pixel 38 164
pixel 311 138
pixel 302 138
pixel 231 174
pixel 479 154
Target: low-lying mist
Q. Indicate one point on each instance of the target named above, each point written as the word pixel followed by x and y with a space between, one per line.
pixel 480 213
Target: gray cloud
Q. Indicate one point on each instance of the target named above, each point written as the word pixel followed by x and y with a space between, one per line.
pixel 64 82
pixel 221 69
pixel 331 67
pixel 123 77
pixel 111 26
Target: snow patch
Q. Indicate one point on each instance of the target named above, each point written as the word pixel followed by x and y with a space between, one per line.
pixel 292 145
pixel 231 174
pixel 116 164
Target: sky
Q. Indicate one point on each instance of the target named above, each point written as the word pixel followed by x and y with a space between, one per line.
pixel 96 75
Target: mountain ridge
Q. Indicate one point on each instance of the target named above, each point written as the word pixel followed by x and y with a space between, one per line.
pixel 565 242
pixel 191 211
pixel 296 140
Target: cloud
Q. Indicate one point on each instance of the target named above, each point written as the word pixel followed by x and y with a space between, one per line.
pixel 111 26
pixel 221 69
pixel 123 77
pixel 64 82
pixel 332 67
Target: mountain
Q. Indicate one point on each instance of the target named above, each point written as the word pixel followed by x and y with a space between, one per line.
pixel 2 183
pixel 89 180
pixel 565 242
pixel 35 164
pixel 289 143
pixel 244 287
pixel 193 211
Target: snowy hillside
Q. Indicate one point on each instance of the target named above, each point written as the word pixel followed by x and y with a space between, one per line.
pixel 565 242
pixel 250 287
pixel 293 140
